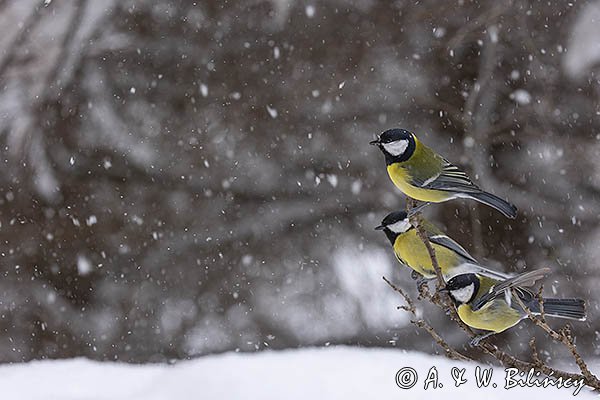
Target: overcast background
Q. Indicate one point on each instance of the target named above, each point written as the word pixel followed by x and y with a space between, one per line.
pixel 181 178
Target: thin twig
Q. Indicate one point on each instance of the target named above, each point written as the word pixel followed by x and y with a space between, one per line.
pixel 534 352
pixel 540 300
pixel 443 301
pixel 416 220
pixel 563 336
pixel 421 323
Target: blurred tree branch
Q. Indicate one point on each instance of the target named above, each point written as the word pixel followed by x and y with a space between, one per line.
pixel 147 120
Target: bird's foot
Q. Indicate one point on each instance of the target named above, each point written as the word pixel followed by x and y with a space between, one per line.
pixel 477 339
pixel 423 287
pixel 415 210
pixel 422 281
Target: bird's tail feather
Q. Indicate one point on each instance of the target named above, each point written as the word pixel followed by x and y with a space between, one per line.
pixel 496 202
pixel 562 308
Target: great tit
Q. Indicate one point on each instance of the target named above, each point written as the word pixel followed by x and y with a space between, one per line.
pixel 410 250
pixel 424 175
pixel 490 304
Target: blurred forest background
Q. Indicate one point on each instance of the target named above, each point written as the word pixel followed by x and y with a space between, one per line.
pixel 181 178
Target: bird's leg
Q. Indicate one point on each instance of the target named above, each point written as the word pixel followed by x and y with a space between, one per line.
pixel 422 287
pixel 475 341
pixel 417 209
pixel 423 281
pixel 419 278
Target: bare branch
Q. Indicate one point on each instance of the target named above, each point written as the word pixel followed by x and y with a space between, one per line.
pixel 563 336
pixel 421 323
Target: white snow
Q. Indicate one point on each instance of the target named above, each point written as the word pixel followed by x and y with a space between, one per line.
pixel 332 179
pixel 310 11
pixel 272 112
pixel 493 32
pixel 203 90
pixel 583 45
pixel 356 187
pixel 91 220
pixel 84 266
pixel 521 96
pixel 469 141
pixel 315 373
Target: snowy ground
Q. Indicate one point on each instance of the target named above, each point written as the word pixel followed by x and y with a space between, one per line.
pixel 329 373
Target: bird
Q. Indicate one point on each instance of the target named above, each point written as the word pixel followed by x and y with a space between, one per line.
pixel 491 304
pixel 410 250
pixel 424 175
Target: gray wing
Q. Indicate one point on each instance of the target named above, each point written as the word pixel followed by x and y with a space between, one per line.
pixel 517 282
pixel 452 179
pixel 449 243
pixel 401 261
pixel 490 273
pixel 473 264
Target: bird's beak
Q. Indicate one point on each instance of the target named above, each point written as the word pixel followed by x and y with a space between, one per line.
pixel 380 227
pixel 443 290
pixel 375 142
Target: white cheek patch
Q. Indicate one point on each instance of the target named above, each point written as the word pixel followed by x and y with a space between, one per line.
pixel 463 295
pixel 400 226
pixel 396 148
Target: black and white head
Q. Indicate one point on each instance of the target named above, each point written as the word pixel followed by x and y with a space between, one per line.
pixel 395 224
pixel 463 288
pixel 396 144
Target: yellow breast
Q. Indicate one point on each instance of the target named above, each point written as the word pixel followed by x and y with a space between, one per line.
pixel 412 251
pixel 497 317
pixel 401 178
